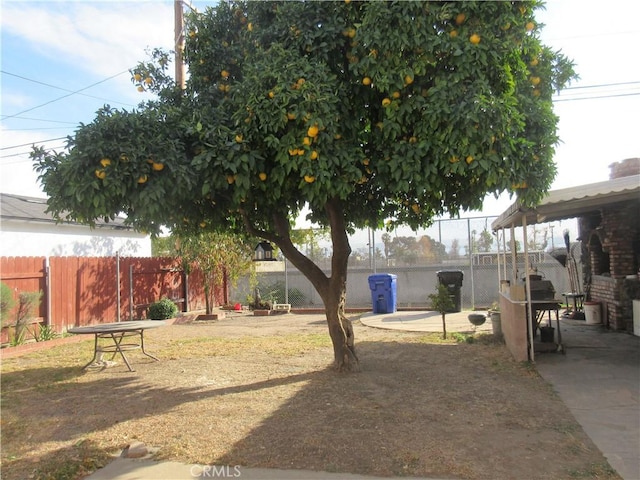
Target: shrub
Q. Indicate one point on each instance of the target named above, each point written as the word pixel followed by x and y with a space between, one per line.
pixel 276 294
pixel 162 309
pixel 7 302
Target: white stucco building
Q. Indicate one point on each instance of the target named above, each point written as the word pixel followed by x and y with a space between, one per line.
pixel 26 230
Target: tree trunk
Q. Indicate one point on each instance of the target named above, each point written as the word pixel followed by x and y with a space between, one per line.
pixel 331 289
pixel 444 327
pixel 207 302
pixel 341 331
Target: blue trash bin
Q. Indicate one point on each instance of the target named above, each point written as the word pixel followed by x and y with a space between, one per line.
pixel 383 292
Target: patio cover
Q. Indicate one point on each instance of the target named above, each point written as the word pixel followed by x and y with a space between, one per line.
pixel 571 202
pixel 559 205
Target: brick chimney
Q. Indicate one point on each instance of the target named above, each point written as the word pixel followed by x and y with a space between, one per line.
pixel 625 168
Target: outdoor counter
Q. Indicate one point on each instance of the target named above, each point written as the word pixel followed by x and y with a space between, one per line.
pixel 518 332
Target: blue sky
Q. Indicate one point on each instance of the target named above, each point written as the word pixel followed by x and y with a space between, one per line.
pixel 63 60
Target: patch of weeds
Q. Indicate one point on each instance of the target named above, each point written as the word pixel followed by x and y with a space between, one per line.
pixel 567 428
pixel 77 461
pixel 434 337
pixel 463 337
pixel 529 369
pixel 595 470
pixel 490 339
pixel 45 333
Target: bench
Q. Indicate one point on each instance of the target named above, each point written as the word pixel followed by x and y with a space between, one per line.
pixel 281 307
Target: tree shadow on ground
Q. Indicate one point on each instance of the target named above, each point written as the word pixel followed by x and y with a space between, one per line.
pixel 422 410
pixel 416 409
pixel 77 460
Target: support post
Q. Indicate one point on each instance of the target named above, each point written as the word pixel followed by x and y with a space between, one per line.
pixel 118 299
pixel 179 43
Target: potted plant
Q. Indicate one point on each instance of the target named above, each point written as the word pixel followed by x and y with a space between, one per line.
pixel 496 322
pixel 441 301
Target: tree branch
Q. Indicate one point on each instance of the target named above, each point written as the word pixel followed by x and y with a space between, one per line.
pixel 282 238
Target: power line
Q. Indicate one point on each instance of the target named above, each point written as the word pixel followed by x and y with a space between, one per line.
pixel 64 96
pixel 595 92
pixel 31 143
pixel 63 89
pixel 602 85
pixel 595 97
pixel 45 120
pixel 23 153
pixel 30 129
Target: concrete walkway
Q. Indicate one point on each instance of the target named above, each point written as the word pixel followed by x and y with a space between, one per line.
pixel 425 321
pixel 135 469
pixel 598 379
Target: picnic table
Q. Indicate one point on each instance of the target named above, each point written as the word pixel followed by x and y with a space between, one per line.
pixel 123 336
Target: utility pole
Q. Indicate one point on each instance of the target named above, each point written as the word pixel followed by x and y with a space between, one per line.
pixel 179 43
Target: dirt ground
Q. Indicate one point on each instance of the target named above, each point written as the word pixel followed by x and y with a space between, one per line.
pixel 259 392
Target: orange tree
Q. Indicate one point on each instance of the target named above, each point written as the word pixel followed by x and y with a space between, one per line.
pixel 365 113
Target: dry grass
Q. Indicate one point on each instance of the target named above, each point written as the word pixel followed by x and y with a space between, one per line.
pixel 257 391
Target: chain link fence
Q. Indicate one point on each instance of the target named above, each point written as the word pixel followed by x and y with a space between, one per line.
pixel 465 245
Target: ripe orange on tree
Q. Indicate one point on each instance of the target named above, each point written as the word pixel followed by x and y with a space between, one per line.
pixel 313 131
pixel 474 39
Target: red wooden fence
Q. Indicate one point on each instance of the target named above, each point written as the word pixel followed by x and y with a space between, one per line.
pixel 87 290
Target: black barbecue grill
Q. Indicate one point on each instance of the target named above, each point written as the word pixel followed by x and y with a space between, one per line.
pixel 542 290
